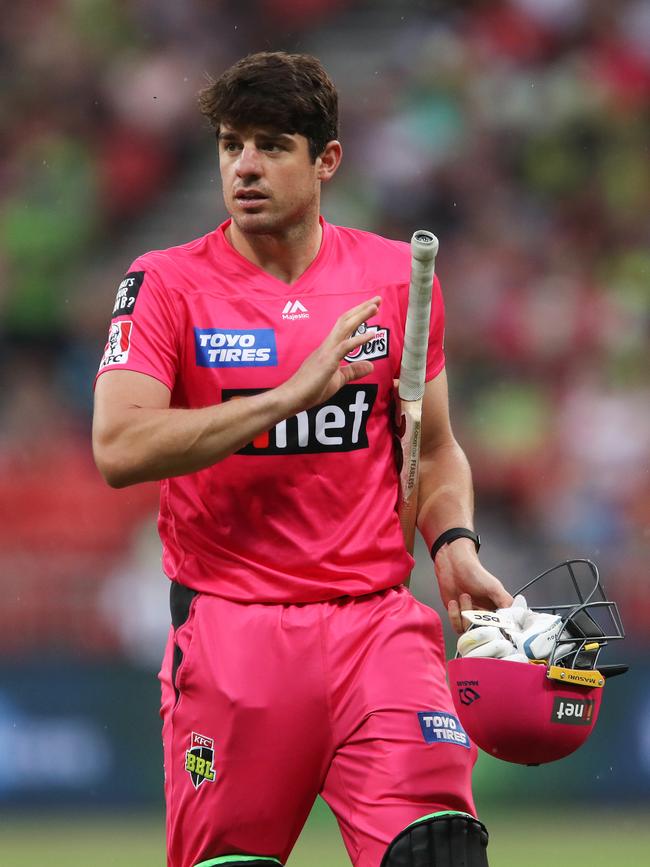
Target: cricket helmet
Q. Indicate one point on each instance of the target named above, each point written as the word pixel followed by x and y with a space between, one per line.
pixel 537 712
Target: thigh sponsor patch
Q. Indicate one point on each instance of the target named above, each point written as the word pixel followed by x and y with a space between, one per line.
pixel 199 760
pixel 440 727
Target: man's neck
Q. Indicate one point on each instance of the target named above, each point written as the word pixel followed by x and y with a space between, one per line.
pixel 285 255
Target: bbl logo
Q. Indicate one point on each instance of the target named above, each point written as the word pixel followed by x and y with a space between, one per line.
pixel 199 760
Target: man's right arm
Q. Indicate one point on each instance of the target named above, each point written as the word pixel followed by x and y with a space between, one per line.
pixel 138 437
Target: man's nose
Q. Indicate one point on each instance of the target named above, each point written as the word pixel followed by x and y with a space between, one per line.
pixel 249 162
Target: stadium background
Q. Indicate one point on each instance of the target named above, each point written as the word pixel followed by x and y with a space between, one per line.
pixel 517 131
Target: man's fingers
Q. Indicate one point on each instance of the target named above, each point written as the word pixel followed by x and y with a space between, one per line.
pixel 348 323
pixel 322 374
pixel 356 370
pixel 453 610
pixel 501 598
pixel 355 312
pixel 343 338
pixel 351 343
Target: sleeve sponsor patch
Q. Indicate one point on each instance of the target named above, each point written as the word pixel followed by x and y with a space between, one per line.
pixel 440 727
pixel 127 293
pixel 119 343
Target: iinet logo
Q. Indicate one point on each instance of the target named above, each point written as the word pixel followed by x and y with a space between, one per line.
pixel 340 425
pixel 295 310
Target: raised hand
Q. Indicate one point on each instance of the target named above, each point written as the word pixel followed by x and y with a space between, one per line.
pixel 321 374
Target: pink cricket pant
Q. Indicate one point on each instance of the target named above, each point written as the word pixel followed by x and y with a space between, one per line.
pixel 275 704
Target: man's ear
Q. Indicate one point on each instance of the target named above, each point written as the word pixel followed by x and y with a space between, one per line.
pixel 329 160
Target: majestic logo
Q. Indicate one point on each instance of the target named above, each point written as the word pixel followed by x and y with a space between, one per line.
pixel 199 760
pixel 376 347
pixel 573 711
pixel 233 347
pixel 439 727
pixel 336 426
pixel 295 310
pixel 127 293
pixel 119 343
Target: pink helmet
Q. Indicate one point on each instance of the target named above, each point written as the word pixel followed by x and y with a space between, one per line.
pixel 532 713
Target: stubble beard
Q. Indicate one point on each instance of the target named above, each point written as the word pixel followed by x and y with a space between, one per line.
pixel 291 221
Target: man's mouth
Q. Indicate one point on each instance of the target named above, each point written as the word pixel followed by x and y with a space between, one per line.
pixel 249 195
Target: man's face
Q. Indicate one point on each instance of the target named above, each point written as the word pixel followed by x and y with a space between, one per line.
pixel 270 183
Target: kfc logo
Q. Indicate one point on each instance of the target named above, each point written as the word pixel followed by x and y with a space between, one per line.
pixel 119 343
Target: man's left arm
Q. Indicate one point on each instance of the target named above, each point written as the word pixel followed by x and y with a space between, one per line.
pixel 446 500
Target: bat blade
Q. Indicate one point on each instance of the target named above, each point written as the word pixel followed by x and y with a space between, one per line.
pixel 424 247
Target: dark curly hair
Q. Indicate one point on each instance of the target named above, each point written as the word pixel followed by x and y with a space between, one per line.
pixel 289 93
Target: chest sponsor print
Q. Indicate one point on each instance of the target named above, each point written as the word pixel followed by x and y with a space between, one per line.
pixel 340 425
pixel 127 293
pixel 376 347
pixel 440 727
pixel 235 347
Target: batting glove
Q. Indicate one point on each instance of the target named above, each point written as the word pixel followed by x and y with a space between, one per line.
pixel 534 633
pixel 515 633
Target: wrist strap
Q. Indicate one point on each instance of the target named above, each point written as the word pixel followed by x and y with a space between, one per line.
pixel 453 534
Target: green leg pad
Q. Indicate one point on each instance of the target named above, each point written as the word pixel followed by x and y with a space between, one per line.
pixel 241 861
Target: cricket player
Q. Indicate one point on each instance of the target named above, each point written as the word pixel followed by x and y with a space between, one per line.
pixel 252 372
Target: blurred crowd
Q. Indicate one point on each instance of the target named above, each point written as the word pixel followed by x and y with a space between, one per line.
pixel 517 130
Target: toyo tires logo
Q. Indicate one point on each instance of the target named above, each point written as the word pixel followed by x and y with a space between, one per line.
pixel 254 347
pixel 440 727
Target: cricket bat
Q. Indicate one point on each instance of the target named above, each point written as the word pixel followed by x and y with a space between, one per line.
pixel 424 247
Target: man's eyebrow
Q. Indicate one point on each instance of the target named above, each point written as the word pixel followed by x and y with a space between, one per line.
pixel 276 135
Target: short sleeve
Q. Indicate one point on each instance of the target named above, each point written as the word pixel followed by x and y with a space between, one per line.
pixel 436 354
pixel 142 335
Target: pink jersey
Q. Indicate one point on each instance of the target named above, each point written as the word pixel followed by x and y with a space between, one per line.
pixel 305 512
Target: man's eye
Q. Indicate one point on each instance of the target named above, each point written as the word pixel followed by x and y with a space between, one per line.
pixel 230 147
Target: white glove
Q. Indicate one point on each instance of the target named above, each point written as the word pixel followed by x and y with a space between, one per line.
pixel 534 633
pixel 515 633
pixel 488 641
